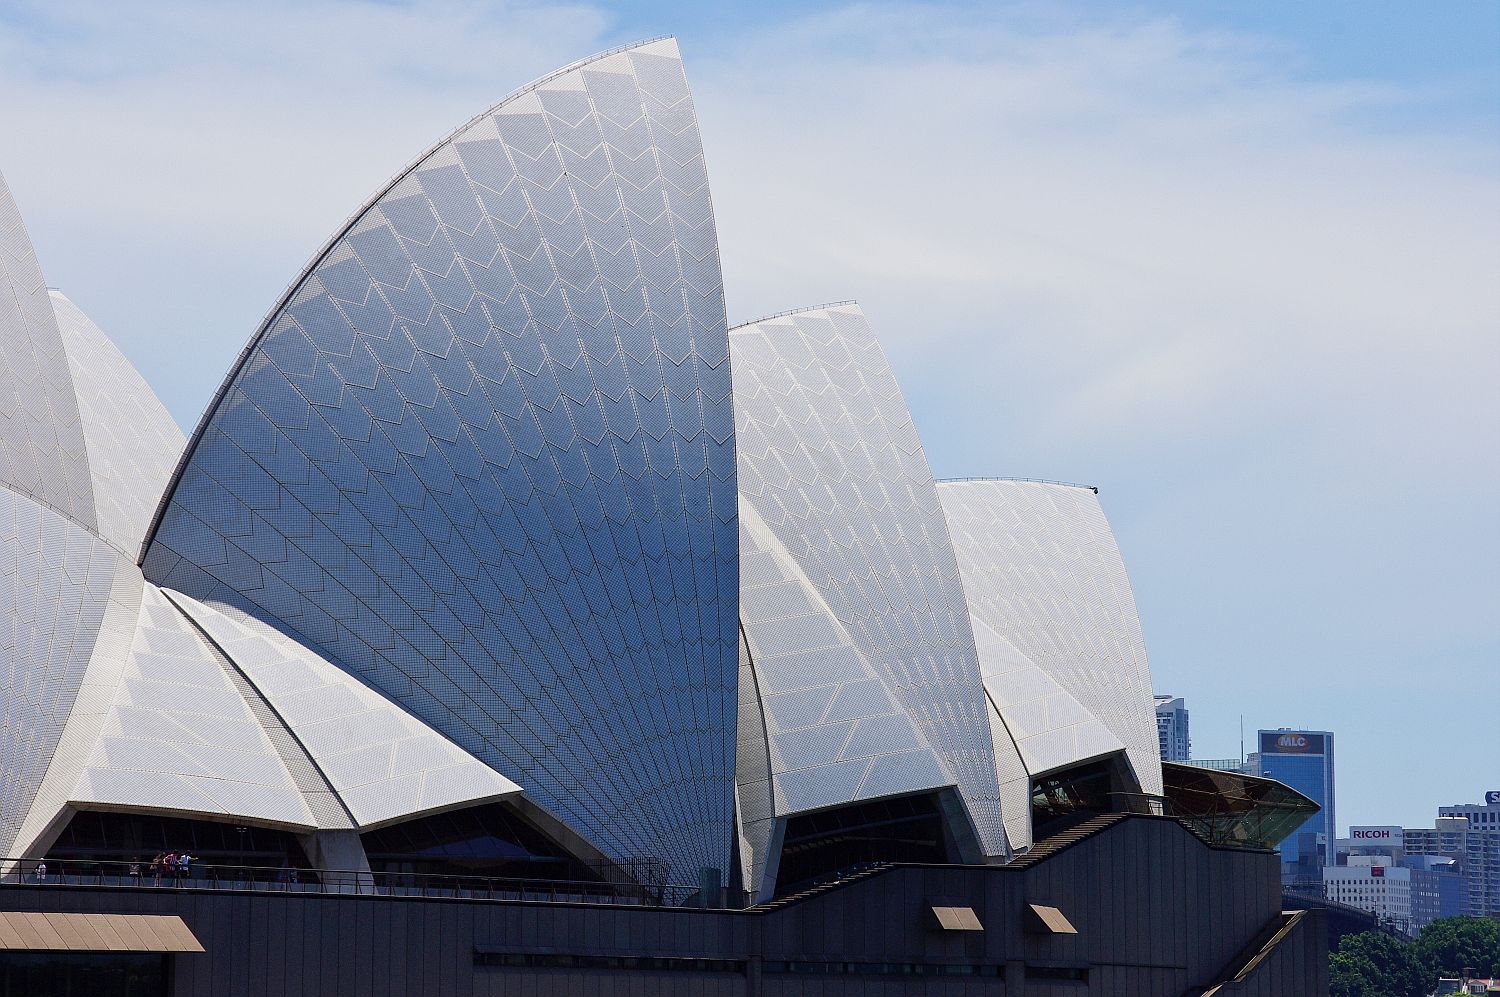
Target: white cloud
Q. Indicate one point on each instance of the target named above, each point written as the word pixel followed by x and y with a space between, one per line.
pixel 1133 200
pixel 197 116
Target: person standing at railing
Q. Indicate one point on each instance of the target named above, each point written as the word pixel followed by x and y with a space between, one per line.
pixel 169 866
pixel 184 866
pixel 134 871
pixel 156 870
pixel 41 871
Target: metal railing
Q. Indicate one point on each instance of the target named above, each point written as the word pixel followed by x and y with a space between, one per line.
pixel 1033 481
pixel 266 879
pixel 1063 808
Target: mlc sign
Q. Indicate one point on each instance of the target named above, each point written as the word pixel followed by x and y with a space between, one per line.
pixel 1290 742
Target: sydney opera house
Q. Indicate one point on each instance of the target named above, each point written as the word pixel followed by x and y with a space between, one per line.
pixel 510 623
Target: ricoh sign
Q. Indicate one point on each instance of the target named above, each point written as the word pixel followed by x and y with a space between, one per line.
pixel 1376 835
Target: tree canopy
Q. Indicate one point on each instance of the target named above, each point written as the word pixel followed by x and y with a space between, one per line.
pixel 1377 964
pixel 1449 944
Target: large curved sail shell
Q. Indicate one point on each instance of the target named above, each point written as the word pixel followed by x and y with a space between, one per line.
pixel 830 461
pixel 70 594
pixel 482 456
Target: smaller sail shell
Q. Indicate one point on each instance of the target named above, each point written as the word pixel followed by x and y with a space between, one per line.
pixel 831 463
pixel 1042 570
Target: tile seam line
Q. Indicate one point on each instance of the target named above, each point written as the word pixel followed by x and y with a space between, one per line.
pixel 42 503
pixel 228 660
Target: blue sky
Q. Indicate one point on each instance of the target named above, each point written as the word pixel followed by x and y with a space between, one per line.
pixel 1234 263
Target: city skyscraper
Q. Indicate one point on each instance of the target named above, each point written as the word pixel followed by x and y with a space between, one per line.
pixel 1372 870
pixel 1469 834
pixel 1303 760
pixel 1172 728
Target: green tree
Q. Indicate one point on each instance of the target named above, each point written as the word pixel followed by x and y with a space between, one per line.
pixel 1348 977
pixel 1449 944
pixel 1374 964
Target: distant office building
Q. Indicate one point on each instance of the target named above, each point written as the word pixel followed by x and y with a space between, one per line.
pixel 1482 816
pixel 1410 891
pixel 1369 839
pixel 1482 851
pixel 1470 835
pixel 1303 760
pixel 1172 728
pixel 1373 883
pixel 1437 889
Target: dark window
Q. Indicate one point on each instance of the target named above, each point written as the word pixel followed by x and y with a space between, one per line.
pixel 823 845
pixel 806 968
pixel 646 963
pixel 1057 973
pixel 107 843
pixel 1068 797
pixel 485 842
pixel 76 974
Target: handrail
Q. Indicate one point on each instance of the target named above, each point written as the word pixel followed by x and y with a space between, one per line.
pixel 787 313
pixel 1030 481
pixel 117 874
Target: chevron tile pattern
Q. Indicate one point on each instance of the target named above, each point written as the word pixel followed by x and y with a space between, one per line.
pixel 1051 728
pixel 179 736
pixel 55 580
pixel 1044 728
pixel 1042 570
pixel 824 722
pixel 133 443
pixel 830 461
pixel 483 456
pixel 384 764
pixel 42 454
